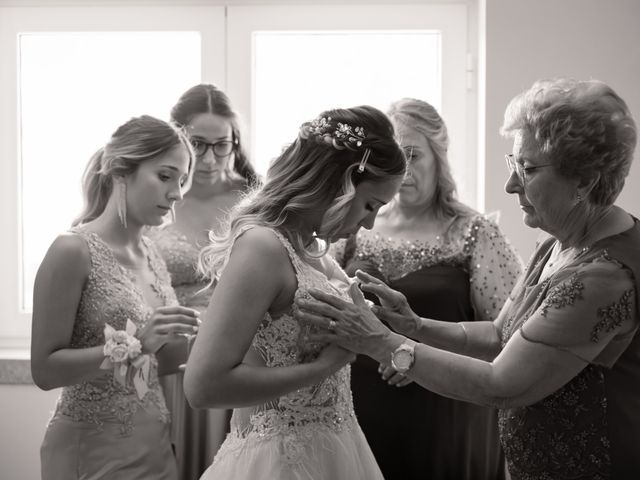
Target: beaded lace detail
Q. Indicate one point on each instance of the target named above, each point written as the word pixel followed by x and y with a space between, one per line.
pixel 474 244
pixel 110 296
pixel 564 435
pixel 181 257
pixel 295 418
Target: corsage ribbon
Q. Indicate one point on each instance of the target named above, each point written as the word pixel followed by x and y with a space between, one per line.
pixel 123 351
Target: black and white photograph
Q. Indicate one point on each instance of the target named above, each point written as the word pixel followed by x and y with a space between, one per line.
pixel 320 240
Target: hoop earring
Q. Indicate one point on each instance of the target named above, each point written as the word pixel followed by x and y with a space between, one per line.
pixel 121 202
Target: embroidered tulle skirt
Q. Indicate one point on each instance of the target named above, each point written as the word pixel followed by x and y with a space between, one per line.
pixel 80 450
pixel 314 451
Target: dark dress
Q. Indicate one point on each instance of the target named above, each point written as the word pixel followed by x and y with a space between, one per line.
pixel 467 276
pixel 590 427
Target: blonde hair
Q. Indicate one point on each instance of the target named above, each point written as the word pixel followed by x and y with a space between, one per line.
pixel 311 179
pixel 425 119
pixel 138 140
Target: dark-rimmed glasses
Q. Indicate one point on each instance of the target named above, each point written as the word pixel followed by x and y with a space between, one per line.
pixel 220 149
pixel 521 170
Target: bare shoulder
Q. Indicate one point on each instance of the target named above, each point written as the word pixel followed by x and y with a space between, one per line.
pixel 68 252
pixel 262 242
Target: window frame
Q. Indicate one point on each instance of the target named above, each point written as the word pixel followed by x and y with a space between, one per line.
pixel 15 325
pixel 226 61
pixel 450 19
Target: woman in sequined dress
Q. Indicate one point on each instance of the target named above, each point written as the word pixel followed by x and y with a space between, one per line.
pixel 104 272
pixel 452 264
pixel 561 361
pixel 293 414
pixel 222 174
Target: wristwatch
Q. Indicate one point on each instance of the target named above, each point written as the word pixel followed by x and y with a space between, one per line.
pixel 402 358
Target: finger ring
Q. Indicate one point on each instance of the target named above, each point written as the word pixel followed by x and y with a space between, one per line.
pixel 332 325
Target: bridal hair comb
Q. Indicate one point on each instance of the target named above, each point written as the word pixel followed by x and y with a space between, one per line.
pixel 340 136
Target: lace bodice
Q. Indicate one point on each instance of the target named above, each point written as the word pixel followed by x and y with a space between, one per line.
pixel 295 417
pixel 111 296
pixel 473 243
pixel 181 258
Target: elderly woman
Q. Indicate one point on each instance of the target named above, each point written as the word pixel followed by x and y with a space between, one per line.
pixel 562 359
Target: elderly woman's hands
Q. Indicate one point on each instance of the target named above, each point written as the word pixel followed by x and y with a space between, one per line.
pixel 394 308
pixel 351 325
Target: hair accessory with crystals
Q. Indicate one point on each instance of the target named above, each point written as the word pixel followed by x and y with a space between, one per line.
pixel 339 135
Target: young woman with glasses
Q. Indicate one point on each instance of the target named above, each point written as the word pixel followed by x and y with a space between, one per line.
pixel 222 174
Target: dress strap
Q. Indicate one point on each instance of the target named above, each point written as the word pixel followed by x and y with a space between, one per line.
pixel 298 265
pixel 99 251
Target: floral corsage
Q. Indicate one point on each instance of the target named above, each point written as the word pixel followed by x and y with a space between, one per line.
pixel 123 352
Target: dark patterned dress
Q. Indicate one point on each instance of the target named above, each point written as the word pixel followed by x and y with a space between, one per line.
pixel 464 276
pixel 590 427
pixel 101 429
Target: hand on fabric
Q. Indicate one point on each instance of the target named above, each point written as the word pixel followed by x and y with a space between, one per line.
pixel 392 377
pixel 366 266
pixel 394 308
pixel 335 357
pixel 165 322
pixel 351 325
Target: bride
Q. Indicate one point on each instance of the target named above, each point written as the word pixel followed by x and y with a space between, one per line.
pixel 293 414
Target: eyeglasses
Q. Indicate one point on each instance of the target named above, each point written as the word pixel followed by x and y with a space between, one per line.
pixel 521 170
pixel 220 149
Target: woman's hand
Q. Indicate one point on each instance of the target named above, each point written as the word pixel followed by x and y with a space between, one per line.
pixel 351 325
pixel 166 322
pixel 394 308
pixel 393 377
pixel 335 357
pixel 366 266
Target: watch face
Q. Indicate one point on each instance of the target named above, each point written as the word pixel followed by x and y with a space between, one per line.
pixel 402 359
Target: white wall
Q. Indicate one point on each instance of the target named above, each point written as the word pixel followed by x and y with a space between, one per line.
pixel 24 411
pixel 527 40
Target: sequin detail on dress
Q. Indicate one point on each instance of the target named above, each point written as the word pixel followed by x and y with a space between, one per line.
pixel 111 296
pixel 613 315
pixel 563 295
pixel 473 244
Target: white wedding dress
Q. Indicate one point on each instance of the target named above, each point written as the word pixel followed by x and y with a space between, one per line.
pixel 311 433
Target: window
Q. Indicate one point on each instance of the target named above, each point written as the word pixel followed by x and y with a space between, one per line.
pixel 323 70
pixel 78 74
pixel 352 56
pixel 70 75
pixel 75 89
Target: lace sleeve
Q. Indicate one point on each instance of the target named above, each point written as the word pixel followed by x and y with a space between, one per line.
pixel 494 268
pixel 590 313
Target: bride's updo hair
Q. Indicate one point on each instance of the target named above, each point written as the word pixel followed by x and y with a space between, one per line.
pixel 315 177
